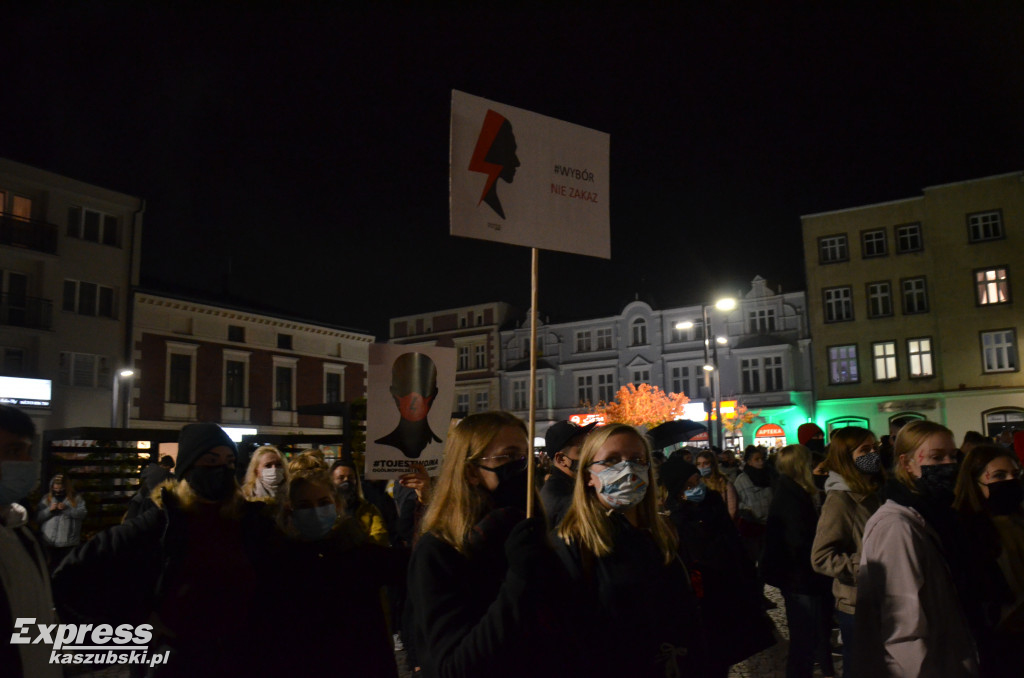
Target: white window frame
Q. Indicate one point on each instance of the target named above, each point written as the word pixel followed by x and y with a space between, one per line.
pixel 462 402
pixel 584 341
pixel 641 376
pixel 231 355
pixel 293 365
pixel 833 249
pixel 908 238
pixel 190 350
pixel 874 239
pixel 542 393
pixel 520 396
pixel 774 373
pixel 464 358
pixel 750 375
pixel 606 386
pixel 604 339
pixel 999 351
pixel 838 357
pixel 100 365
pixel 883 358
pixel 77 230
pixel 482 401
pixel 838 304
pixel 879 293
pixel 761 320
pixel 334 368
pixel 480 356
pixel 638 332
pixel 95 310
pixel 985 226
pixel 920 358
pixel 992 283
pixel 915 290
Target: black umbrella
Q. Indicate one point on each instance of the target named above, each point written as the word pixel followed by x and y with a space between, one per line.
pixel 673 432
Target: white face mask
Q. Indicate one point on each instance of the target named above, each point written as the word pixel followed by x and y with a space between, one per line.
pixel 623 485
pixel 272 476
pixel 18 479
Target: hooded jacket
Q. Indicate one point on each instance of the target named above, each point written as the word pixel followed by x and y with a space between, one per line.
pixel 909 619
pixel 63 528
pixel 837 543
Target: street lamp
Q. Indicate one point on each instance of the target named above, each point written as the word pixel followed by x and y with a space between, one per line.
pixel 119 376
pixel 712 381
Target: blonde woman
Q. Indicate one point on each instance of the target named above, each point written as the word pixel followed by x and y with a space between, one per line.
pixel 854 478
pixel 622 557
pixel 910 619
pixel 707 466
pixel 481 577
pixel 266 477
pixel 792 521
pixel 60 515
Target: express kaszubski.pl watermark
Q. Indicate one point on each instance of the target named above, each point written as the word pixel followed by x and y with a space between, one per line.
pixel 88 644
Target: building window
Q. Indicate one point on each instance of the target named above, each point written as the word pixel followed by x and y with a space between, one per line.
pixel 993 286
pixel 1000 419
pixel 919 357
pixel 87 298
pixel 982 226
pixel 832 249
pixel 842 364
pixel 639 332
pixel 915 296
pixel 94 226
pixel 999 351
pixel 236 333
pixel 773 373
pixel 83 369
pixel 18 206
pixel 284 341
pixel 873 243
pixel 838 304
pixel 179 384
pixel 884 355
pixel 333 390
pixel 761 321
pixel 462 403
pixel 519 395
pixel 585 389
pixel 879 299
pixel 234 383
pixel 606 386
pixel 482 401
pixel 541 394
pixel 283 387
pixel 680 375
pixel 583 343
pixel 908 238
pixel 480 356
pixel 604 339
pixel 463 358
pixel 642 376
pixel 751 374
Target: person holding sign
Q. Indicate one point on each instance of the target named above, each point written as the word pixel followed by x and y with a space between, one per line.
pixel 482 580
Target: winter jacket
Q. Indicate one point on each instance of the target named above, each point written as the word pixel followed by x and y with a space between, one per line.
pixel 372 522
pixel 754 501
pixel 648 608
pixel 792 521
pixel 836 549
pixel 556 496
pixel 909 621
pixel 24 593
pixel 63 527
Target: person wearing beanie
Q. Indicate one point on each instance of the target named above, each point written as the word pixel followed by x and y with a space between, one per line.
pixel 723 575
pixel 562 444
pixel 189 567
pixel 811 436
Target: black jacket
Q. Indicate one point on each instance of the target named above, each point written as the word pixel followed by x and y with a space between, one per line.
pixel 556 496
pixel 792 523
pixel 640 612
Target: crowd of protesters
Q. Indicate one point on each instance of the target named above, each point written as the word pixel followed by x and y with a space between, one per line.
pixel 633 562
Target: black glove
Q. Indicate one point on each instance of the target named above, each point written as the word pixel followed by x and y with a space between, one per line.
pixel 529 553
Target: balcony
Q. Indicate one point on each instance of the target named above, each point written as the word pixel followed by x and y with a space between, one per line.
pixel 32 234
pixel 22 311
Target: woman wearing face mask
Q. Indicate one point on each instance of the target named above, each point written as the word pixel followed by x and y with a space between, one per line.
pixel 60 515
pixel 988 496
pixel 754 490
pixel 855 475
pixel 910 620
pixel 723 576
pixel 189 567
pixel 792 521
pixel 266 478
pixel 333 609
pixel 707 466
pixel 483 582
pixel 622 557
pixel 350 491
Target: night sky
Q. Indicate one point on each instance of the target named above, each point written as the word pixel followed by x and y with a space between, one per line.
pixel 297 159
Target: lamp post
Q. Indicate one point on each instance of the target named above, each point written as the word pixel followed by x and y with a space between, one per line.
pixel 712 381
pixel 119 376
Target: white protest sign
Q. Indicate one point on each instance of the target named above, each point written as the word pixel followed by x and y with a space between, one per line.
pixel 523 178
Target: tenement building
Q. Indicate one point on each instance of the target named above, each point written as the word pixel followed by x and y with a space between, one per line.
pixel 913 311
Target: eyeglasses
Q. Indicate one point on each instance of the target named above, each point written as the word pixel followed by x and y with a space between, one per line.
pixel 502 459
pixel 612 461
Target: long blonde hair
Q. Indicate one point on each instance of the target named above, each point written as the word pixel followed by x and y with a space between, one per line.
pixel 911 437
pixel 588 521
pixel 251 475
pixel 716 480
pixel 456 505
pixel 794 462
pixel 840 459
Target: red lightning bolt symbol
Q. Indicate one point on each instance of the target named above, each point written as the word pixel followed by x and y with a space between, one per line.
pixel 478 163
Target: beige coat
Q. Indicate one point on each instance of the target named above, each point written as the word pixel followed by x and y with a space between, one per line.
pixel 909 620
pixel 836 549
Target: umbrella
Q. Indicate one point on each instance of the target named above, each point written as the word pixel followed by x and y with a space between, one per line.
pixel 674 432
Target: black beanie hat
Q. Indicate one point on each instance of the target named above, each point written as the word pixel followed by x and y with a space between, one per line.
pixel 197 439
pixel 675 472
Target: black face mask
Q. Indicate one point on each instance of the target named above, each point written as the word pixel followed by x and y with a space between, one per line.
pixel 511 490
pixel 59 496
pixel 819 481
pixel 213 483
pixel 1005 497
pixel 938 481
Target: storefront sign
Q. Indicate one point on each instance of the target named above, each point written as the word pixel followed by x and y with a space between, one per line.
pixel 584 419
pixel 22 392
pixel 770 431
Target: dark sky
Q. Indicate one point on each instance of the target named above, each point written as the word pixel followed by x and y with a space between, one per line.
pixel 298 158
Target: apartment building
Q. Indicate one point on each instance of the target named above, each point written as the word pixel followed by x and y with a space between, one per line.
pixel 69 257
pixel 913 311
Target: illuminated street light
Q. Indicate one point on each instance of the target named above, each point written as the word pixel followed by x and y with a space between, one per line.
pixel 722 340
pixel 115 392
pixel 127 372
pixel 726 304
pixel 684 325
pixel 709 368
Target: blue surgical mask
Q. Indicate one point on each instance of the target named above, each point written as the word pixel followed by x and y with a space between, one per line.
pixel 623 485
pixel 315 523
pixel 19 478
pixel 705 472
pixel 697 494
